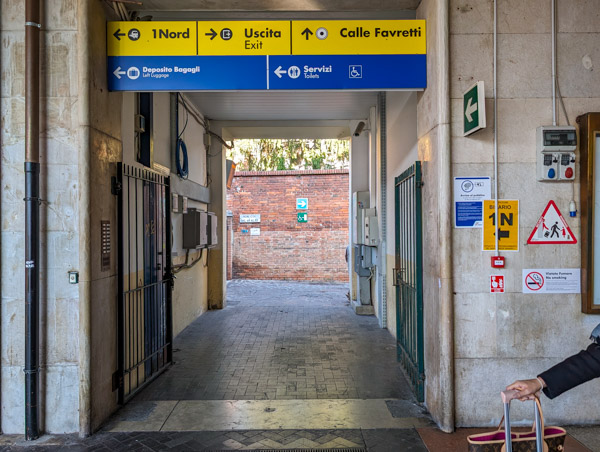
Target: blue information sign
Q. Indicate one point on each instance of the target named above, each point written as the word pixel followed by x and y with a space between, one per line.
pixel 469 194
pixel 181 73
pixel 287 72
pixel 301 203
pixel 354 72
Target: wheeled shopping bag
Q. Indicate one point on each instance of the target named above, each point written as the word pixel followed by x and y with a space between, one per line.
pixel 540 439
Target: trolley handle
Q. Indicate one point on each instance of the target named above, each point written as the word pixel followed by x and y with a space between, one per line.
pixel 507 396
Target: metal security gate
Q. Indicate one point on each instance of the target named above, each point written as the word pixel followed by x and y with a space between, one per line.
pixel 144 305
pixel 408 276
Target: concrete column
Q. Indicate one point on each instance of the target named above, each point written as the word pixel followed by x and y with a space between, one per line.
pixel 359 181
pixel 217 256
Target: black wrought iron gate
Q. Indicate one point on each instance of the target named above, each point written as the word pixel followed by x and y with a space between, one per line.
pixel 408 276
pixel 144 304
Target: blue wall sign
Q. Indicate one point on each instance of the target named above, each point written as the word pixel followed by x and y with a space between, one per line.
pixel 301 203
pixel 284 72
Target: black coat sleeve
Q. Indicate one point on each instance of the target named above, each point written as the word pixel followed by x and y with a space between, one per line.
pixel 573 371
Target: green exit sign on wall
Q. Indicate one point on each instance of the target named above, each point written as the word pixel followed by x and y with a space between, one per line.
pixel 302 217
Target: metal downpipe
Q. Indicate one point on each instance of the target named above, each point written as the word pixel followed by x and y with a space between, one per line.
pixel 32 217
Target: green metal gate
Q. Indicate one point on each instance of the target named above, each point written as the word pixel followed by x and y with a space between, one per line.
pixel 408 276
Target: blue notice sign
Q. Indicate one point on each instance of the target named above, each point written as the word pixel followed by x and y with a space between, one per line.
pixel 469 193
pixel 285 72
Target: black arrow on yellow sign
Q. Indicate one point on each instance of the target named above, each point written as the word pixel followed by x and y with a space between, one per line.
pixel 212 34
pixel 118 35
pixel 307 32
pixel 503 234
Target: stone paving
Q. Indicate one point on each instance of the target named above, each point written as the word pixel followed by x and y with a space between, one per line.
pixel 384 440
pixel 281 340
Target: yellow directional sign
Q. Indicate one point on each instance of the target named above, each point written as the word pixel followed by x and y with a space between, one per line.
pixel 508 225
pixel 358 37
pixel 244 37
pixel 151 38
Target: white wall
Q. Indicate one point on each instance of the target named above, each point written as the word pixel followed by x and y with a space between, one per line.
pixel 401 115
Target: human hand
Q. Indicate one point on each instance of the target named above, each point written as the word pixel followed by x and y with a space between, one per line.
pixel 527 389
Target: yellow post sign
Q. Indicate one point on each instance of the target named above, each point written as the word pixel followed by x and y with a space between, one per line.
pixel 508 225
pixel 244 37
pixel 151 38
pixel 358 37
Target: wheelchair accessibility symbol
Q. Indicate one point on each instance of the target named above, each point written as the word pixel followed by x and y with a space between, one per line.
pixel 355 71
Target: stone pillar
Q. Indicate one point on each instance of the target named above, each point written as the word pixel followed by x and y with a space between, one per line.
pixel 217 256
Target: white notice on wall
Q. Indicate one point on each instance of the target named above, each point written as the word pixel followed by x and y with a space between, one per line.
pixel 254 231
pixel 552 280
pixel 250 218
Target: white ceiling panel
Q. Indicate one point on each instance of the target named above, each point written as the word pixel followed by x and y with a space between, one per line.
pixel 284 106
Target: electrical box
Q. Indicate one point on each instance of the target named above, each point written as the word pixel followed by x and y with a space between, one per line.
pixel 195 229
pixel 362 257
pixel 360 202
pixel 556 147
pixel 370 227
pixel 211 230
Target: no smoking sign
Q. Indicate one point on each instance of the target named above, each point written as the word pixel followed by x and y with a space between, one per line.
pixel 534 281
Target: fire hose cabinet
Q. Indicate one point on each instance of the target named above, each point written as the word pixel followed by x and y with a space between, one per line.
pixel 195 229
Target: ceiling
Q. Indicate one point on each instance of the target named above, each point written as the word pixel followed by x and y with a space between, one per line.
pixel 265 6
pixel 278 106
pixel 284 106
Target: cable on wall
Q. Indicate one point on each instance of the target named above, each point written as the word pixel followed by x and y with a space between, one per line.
pixel 182 167
pixel 185 265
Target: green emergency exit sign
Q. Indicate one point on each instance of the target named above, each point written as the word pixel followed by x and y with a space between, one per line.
pixel 302 217
pixel 474 109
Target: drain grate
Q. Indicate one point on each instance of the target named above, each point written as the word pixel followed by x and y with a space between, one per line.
pixel 346 449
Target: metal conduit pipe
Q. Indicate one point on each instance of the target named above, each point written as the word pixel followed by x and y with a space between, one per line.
pixel 32 216
pixel 382 105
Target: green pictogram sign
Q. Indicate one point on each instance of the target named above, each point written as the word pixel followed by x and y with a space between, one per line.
pixel 302 217
pixel 474 109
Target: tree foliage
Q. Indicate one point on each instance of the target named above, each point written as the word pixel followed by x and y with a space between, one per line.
pixel 281 154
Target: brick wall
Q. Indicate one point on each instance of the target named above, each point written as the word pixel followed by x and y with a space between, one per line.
pixel 286 249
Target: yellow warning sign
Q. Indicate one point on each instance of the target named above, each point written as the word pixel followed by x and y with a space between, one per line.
pixel 508 225
pixel 151 38
pixel 358 37
pixel 244 37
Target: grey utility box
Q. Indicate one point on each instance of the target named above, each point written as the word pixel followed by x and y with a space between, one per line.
pixel 211 230
pixel 195 229
pixel 360 252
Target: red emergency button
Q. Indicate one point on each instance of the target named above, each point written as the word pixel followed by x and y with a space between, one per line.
pixel 569 173
pixel 498 261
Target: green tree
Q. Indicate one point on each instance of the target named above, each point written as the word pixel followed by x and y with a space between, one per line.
pixel 293 154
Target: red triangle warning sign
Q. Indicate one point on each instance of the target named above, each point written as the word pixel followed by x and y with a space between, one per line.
pixel 551 228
